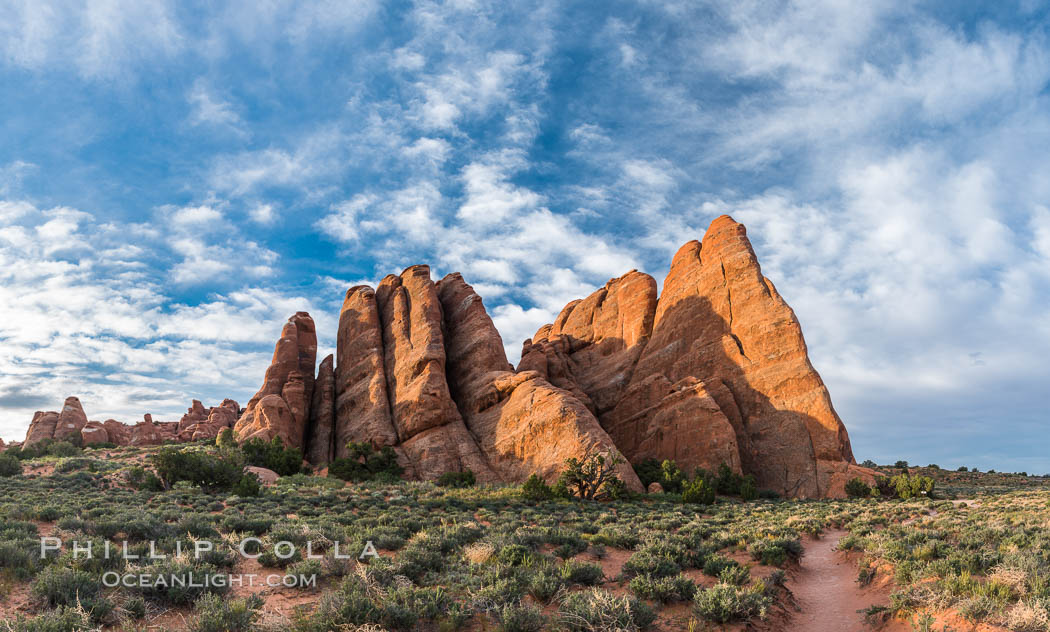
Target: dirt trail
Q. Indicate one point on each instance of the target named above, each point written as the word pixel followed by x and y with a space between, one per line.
pixel 827 591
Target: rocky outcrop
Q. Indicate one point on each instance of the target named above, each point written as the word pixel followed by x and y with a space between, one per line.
pixel 41 428
pixel 290 379
pixel 715 370
pixel 71 420
pixel 523 424
pixel 320 433
pixel 206 423
pixel 94 432
pixel 429 428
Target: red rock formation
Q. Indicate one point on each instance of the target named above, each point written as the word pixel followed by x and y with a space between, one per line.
pixel 320 432
pixel 362 406
pixel 428 424
pixel 117 432
pixel 523 424
pixel 145 433
pixel 71 420
pixel 716 367
pixel 594 344
pixel 206 423
pixel 41 428
pixel 94 432
pixel 286 379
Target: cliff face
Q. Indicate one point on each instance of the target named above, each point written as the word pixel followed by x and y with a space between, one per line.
pixel 714 370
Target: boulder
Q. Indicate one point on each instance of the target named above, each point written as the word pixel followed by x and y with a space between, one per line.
pixel 266 477
pixel 655 488
pixel 94 432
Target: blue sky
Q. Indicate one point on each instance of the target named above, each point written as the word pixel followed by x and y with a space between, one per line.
pixel 176 179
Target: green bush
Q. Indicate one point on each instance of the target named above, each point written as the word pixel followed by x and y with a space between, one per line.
pixel 364 463
pixel 667 473
pixel 519 618
pixel 907 486
pixel 901 465
pixel 143 479
pixel 225 438
pixel 215 614
pixel 723 603
pixel 248 486
pixel 206 471
pixel 857 488
pixel 748 489
pixel 699 492
pixel 458 480
pixel 728 482
pixel 583 573
pixel 60 586
pixel 9 465
pixel 597 610
pixel 272 455
pixel 536 489
pixel 663 589
pixel 62 619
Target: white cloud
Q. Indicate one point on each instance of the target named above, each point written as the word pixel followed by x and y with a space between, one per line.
pixel 213 111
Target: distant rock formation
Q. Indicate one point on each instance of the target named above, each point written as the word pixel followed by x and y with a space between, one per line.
pixel 199 423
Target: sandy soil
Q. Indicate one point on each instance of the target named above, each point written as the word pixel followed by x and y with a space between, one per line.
pixel 826 589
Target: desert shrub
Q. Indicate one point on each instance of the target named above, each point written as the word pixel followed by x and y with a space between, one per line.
pixel 748 489
pixel 723 603
pixel 715 564
pixel 60 586
pixel 206 471
pixel 143 479
pixel 646 563
pixel 728 482
pixel 101 445
pixel 62 619
pixel 582 573
pixel 667 473
pixel 364 463
pixel 215 614
pixel 903 465
pixel 9 465
pixel 598 610
pixel 272 455
pixel 247 486
pixel 699 492
pixel 868 463
pixel 536 489
pixel 519 618
pixel 587 478
pixel 776 551
pixel 225 438
pixel 458 480
pixel 185 584
pixel 857 488
pixel 663 589
pixel 908 487
pixel 545 584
